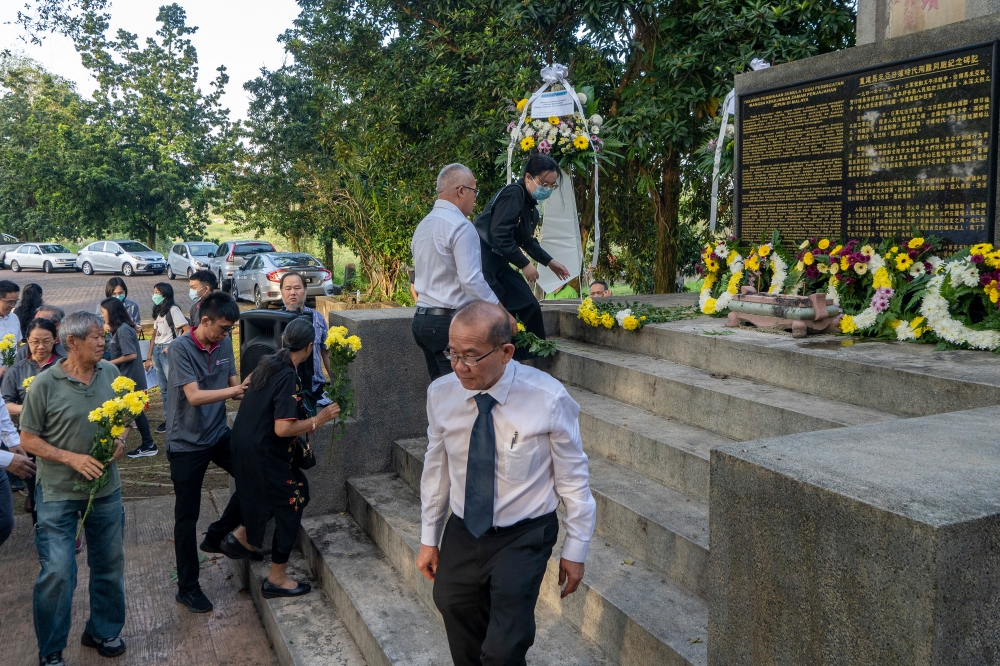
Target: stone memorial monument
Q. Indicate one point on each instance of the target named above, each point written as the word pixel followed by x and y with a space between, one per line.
pixel 875 140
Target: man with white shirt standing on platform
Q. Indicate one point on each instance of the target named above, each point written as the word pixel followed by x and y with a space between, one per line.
pixel 504 448
pixel 447 264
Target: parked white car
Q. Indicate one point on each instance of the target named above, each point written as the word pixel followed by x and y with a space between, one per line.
pixel 120 256
pixel 47 257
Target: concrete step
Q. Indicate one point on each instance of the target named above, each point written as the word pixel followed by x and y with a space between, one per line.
pixel 668 451
pixel 386 618
pixel 306 630
pixel 878 375
pixel 737 408
pixel 653 523
pixel 388 510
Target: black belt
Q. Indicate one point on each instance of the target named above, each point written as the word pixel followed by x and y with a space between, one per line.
pixel 442 312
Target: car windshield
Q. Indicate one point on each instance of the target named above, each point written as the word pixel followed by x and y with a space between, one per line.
pixel 132 246
pixel 253 248
pixel 205 250
pixel 295 260
pixel 55 248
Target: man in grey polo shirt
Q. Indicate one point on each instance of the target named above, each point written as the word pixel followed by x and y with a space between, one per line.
pixel 202 378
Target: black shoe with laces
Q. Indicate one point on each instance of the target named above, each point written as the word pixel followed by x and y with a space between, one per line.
pixel 144 451
pixel 54 659
pixel 162 428
pixel 195 600
pixel 106 647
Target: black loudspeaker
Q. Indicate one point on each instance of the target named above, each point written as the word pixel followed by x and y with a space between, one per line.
pixel 260 335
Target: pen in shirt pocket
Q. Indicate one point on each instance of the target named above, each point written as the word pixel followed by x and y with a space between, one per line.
pixel 513 441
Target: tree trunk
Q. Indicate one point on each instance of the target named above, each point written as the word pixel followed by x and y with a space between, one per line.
pixel 666 208
pixel 328 254
pixel 151 236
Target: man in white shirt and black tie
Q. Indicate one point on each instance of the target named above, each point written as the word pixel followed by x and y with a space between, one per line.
pixel 447 264
pixel 504 449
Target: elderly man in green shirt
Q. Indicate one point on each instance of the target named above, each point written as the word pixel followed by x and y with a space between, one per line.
pixel 55 428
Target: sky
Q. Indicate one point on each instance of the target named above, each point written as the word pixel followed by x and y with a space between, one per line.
pixel 240 34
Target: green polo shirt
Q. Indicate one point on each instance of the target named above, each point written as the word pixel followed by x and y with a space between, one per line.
pixel 56 409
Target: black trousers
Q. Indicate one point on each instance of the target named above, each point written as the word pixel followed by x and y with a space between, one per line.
pixel 486 589
pixel 514 294
pixel 431 334
pixel 187 471
pixel 142 423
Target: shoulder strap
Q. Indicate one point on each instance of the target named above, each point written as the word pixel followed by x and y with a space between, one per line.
pixel 170 323
pixel 484 219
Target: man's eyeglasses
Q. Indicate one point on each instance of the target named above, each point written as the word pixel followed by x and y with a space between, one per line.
pixel 475 192
pixel 468 360
pixel 11 302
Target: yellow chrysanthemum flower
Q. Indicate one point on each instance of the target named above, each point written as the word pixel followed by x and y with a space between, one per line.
pixel 95 415
pixel 581 142
pixel 992 292
pixel 527 143
pixel 847 324
pixel 117 431
pixel 844 263
pixel 981 248
pixel 709 307
pixel 833 279
pixel 836 251
pixel 27 382
pixel 734 283
pixel 354 342
pixel 808 259
pixel 823 244
pixel 764 250
pixel 752 263
pixel 630 323
pixel 868 250
pixel 520 327
pixel 520 105
pixel 607 320
pixel 903 262
pixel 881 279
pixel 915 243
pixel 123 383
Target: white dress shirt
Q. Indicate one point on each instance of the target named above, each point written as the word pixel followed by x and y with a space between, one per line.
pixel 10 324
pixel 447 263
pixel 9 434
pixel 543 463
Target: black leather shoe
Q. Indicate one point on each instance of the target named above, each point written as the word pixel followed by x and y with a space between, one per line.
pixel 209 547
pixel 234 550
pixel 195 600
pixel 106 647
pixel 272 591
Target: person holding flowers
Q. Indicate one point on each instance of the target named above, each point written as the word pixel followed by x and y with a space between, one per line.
pixel 125 355
pixel 505 228
pixel 56 428
pixel 267 453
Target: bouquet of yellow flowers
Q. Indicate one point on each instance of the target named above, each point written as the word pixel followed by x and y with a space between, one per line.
pixel 27 383
pixel 343 350
pixel 534 344
pixel 111 418
pixel 8 349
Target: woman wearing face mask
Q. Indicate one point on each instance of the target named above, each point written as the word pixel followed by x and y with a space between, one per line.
pixel 168 324
pixel 507 227
pixel 116 288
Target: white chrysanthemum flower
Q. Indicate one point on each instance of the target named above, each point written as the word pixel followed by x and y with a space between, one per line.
pixel 917 269
pixel 721 251
pixel 934 307
pixel 722 302
pixel 905 332
pixel 596 120
pixel 621 316
pixel 876 262
pixel 583 98
pixel 779 273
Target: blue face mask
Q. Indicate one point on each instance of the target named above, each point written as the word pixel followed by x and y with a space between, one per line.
pixel 193 295
pixel 541 192
pixel 120 297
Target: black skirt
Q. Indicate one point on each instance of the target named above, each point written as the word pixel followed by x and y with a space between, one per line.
pixel 267 484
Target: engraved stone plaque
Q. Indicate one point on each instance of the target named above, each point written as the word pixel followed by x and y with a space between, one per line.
pixel 873 153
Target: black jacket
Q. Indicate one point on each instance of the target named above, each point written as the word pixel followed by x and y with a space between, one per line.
pixel 508 225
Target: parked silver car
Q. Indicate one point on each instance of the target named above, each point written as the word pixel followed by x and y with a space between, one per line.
pixel 233 254
pixel 259 277
pixel 119 256
pixel 187 258
pixel 43 256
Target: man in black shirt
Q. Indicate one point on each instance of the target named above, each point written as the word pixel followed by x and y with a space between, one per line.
pixel 507 227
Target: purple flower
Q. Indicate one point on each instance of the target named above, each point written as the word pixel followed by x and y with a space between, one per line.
pixel 597 144
pixel 977 259
pixel 544 146
pixel 712 145
pixel 880 302
pixel 510 127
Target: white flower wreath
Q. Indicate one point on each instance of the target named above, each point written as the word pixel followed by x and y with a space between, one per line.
pixel 935 308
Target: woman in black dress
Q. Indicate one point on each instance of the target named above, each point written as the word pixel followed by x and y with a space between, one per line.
pixel 124 353
pixel 507 227
pixel 268 479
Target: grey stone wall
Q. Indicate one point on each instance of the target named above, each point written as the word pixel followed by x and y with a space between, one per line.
pixel 867 545
pixel 873 17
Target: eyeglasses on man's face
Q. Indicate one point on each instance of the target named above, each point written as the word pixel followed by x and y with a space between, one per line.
pixel 470 361
pixel 475 191
pixel 10 302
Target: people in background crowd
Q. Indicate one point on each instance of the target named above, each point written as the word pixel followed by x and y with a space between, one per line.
pixel 55 428
pixel 125 355
pixel 293 298
pixel 168 325
pixel 202 379
pixel 12 461
pixel 599 289
pixel 447 265
pixel 116 288
pixel 31 300
pixel 503 494
pixel 200 285
pixel 506 227
pixel 41 341
pixel 267 451
pixel 55 314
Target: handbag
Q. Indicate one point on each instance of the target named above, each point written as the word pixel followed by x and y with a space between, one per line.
pixel 303 457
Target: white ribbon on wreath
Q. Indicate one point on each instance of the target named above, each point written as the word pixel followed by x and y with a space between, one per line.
pixel 551 75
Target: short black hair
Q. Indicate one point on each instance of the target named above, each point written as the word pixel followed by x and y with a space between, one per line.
pixel 600 282
pixel 109 288
pixel 281 283
pixel 540 163
pixel 219 305
pixel 8 287
pixel 206 277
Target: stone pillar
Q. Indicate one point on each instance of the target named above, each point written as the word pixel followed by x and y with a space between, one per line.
pixel 879 20
pixel 876 544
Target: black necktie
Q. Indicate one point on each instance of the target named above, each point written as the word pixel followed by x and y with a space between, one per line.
pixel 480 471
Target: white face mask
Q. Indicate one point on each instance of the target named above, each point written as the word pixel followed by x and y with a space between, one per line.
pixel 193 295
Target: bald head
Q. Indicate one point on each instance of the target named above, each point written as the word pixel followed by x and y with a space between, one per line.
pixel 488 320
